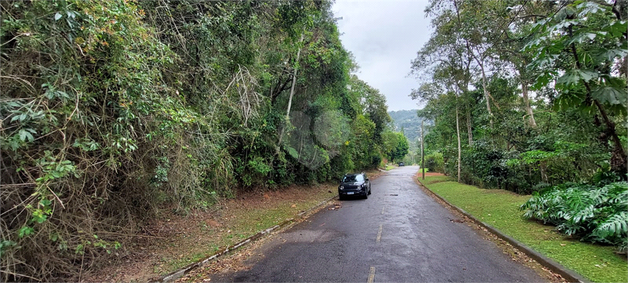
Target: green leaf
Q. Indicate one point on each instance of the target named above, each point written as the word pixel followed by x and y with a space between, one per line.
pixel 566 12
pixel 582 37
pixel 25 231
pixel 617 224
pixel 79 249
pixel 611 54
pixel 574 76
pixel 45 202
pixel 589 8
pixel 4 245
pixel 610 95
pixel 25 135
pixel 293 152
pixel 617 28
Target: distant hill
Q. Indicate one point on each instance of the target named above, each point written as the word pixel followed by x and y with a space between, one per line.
pixel 409 122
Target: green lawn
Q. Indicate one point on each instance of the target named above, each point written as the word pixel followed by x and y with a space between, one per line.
pixel 500 209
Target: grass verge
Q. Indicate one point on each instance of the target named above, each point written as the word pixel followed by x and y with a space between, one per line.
pixel 500 209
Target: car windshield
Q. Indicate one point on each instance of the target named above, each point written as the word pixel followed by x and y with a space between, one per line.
pixel 349 178
pixel 352 178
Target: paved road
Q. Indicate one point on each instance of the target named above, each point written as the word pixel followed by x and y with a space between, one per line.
pixel 399 234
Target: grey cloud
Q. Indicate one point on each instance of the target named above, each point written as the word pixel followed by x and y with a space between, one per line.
pixel 384 36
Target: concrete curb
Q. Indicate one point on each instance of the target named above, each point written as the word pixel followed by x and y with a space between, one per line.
pixel 185 270
pixel 550 264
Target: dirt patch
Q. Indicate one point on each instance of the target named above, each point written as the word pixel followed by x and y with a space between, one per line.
pixel 506 247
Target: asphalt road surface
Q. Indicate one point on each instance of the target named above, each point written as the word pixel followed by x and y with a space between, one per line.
pixel 399 234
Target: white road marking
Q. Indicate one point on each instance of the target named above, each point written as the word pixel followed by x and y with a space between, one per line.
pixel 371 275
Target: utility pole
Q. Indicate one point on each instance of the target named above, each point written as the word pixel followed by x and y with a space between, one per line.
pixel 422 157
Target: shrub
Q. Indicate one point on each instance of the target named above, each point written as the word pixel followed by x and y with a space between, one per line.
pixel 434 162
pixel 595 214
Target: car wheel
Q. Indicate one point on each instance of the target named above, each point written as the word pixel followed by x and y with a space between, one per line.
pixel 366 195
pixel 369 190
pixel 340 197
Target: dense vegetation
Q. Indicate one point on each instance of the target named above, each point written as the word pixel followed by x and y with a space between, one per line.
pixel 528 96
pixel 598 215
pixel 114 110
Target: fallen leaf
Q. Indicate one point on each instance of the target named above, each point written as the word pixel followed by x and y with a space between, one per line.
pixel 293 206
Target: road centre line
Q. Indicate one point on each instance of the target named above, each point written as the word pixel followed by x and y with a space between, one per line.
pixel 371 275
pixel 379 233
pixel 383 209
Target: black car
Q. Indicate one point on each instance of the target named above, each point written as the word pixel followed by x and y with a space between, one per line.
pixel 401 164
pixel 354 185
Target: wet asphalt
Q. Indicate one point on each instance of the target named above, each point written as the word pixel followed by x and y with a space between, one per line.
pixel 398 234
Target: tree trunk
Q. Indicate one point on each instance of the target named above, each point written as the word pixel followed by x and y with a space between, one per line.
pixel 618 156
pixel 469 126
pixel 422 154
pixel 526 102
pixel 294 79
pixel 459 147
pixel 486 93
pixel 543 167
pixel 294 82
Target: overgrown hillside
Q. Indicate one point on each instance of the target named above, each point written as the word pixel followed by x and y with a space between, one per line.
pixel 114 110
pixel 408 121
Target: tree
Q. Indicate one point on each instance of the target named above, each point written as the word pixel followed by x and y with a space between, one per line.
pixel 583 61
pixel 395 145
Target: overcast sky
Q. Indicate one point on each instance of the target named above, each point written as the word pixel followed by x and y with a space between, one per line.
pixel 384 36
